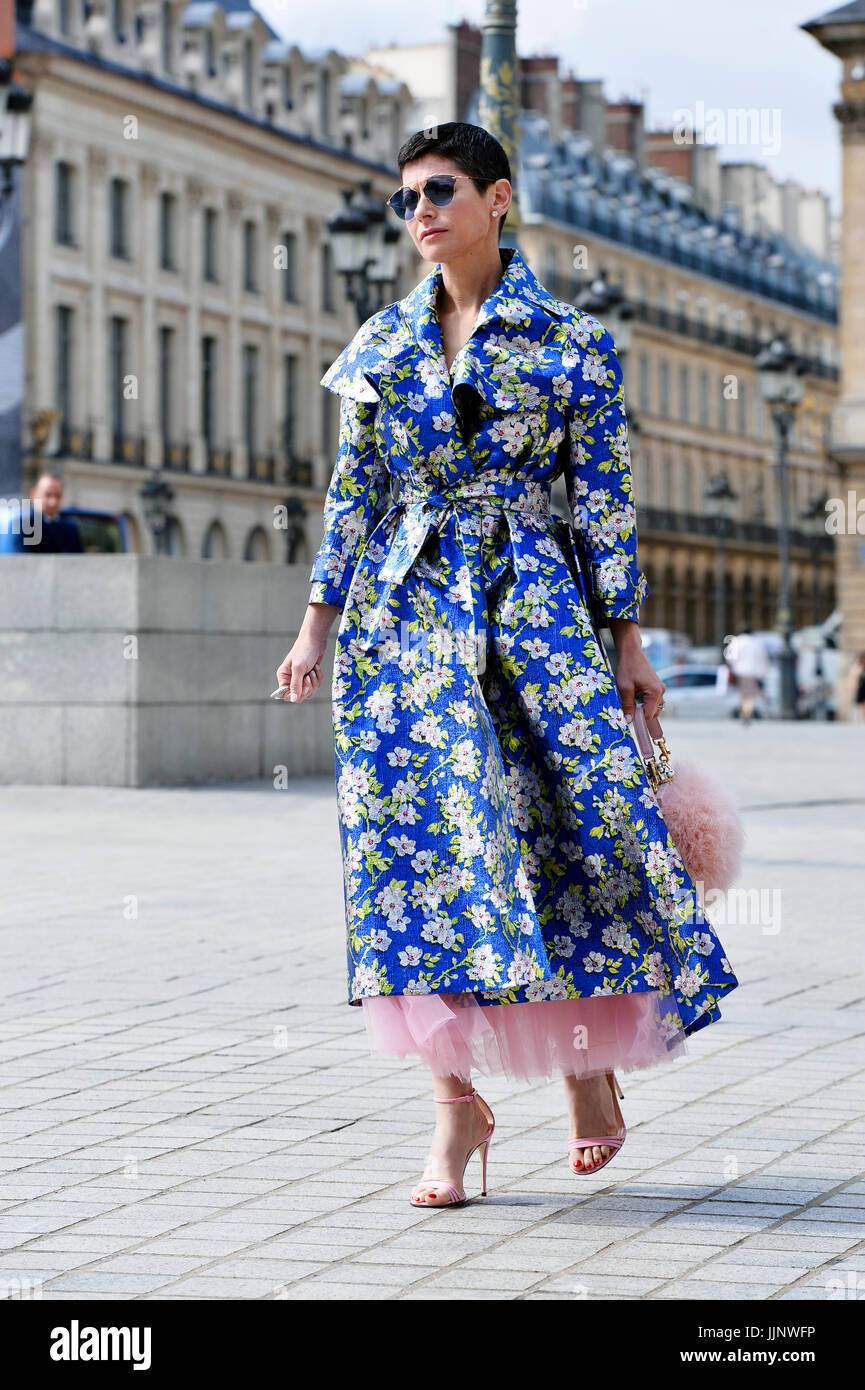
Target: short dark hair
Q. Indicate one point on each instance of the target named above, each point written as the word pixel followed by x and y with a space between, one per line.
pixel 471 148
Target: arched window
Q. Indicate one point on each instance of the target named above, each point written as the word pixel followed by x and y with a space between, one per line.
pixel 257 547
pixel 215 544
pixel 175 540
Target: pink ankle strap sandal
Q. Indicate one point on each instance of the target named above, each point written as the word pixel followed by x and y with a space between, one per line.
pixel 612 1141
pixel 455 1196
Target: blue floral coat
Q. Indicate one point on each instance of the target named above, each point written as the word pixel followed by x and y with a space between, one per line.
pixel 498 832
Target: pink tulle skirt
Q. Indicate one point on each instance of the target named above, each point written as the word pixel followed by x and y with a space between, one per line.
pixel 454 1033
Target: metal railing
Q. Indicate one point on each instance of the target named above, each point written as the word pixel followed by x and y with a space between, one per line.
pixel 665 520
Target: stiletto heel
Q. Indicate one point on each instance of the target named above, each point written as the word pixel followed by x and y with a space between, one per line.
pixel 455 1196
pixel 484 1148
pixel 612 1141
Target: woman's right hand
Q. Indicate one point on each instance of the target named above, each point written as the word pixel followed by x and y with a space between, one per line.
pixel 301 669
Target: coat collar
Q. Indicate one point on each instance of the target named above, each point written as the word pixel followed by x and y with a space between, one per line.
pixel 518 299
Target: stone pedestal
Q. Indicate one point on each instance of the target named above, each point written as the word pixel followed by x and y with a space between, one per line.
pixel 137 671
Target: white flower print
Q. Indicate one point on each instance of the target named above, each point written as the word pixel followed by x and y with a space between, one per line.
pixel 498 834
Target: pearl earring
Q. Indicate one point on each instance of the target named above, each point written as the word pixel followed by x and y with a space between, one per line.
pixel 495 214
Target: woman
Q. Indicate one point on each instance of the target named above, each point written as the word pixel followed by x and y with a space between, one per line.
pixel 513 900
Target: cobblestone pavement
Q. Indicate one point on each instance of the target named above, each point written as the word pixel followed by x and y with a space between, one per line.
pixel 190 1109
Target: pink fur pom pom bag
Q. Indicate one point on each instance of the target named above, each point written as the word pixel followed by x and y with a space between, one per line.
pixel 702 817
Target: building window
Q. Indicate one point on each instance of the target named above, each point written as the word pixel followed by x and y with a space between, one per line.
pixel 324 102
pixel 250 396
pixel 166 374
pixel 117 367
pixel 289 274
pixel 743 408
pixel 209 54
pixel 664 389
pixel 723 410
pixel 208 390
pixel 248 85
pixel 704 400
pixel 667 482
pixel 119 218
pixel 119 20
pixel 329 425
pixel 684 393
pixel 210 253
pixel 551 270
pixel 250 248
pixel 167 208
pixel 648 476
pixel 326 277
pixel 167 38
pixel 289 405
pixel 63 192
pixel 686 486
pixel 287 89
pixel 63 363
pixel 645 392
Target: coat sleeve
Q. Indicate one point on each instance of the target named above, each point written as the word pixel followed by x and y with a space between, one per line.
pixel 357 498
pixel 598 477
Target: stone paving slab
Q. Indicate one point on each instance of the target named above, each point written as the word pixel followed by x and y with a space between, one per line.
pixel 190 1110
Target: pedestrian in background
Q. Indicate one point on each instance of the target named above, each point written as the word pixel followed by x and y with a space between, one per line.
pixel 857 689
pixel 35 524
pixel 749 662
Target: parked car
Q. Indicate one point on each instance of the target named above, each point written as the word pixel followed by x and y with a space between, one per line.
pixel 664 647
pixel 698 691
pixel 101 532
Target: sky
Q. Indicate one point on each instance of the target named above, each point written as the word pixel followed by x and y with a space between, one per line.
pixel 676 55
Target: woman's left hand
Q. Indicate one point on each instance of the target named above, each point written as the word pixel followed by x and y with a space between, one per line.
pixel 635 674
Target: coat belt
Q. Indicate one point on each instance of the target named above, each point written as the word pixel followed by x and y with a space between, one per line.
pixel 425 509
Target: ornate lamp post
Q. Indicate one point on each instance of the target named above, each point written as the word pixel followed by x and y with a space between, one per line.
pixel 295 513
pixel 364 249
pixel 15 103
pixel 499 106
pixel 780 375
pixel 720 493
pixel 815 517
pixel 157 496
pixel 606 301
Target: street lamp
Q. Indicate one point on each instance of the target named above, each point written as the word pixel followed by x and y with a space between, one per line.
pixel 721 494
pixel 780 373
pixel 157 496
pixel 815 515
pixel 364 248
pixel 15 103
pixel 606 301
pixel 295 512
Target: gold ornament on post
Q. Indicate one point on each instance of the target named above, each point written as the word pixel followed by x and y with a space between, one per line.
pixel 41 425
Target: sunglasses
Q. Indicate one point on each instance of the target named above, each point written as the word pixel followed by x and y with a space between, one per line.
pixel 439 189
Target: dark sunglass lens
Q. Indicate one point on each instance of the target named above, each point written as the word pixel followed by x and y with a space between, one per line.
pixel 439 191
pixel 404 203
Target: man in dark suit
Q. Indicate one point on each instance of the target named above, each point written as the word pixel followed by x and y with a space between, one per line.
pixel 37 525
